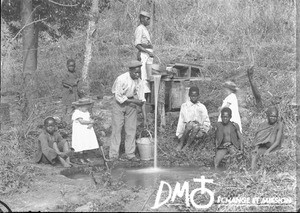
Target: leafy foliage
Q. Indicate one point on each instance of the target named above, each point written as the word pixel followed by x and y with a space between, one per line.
pixel 61 17
pixel 15 174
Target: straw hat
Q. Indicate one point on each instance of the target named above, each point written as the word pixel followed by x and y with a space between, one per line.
pixel 144 13
pixel 83 101
pixel 230 85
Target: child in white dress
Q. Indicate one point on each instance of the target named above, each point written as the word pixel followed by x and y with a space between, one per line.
pixel 83 134
pixel 231 102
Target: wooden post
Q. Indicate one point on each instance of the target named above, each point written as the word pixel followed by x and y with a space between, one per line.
pixel 152 20
pixel 298 98
pixel 161 105
pixel 298 52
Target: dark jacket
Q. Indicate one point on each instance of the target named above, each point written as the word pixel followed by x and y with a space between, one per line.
pixel 235 140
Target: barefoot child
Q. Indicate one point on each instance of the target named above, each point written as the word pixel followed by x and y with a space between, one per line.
pixel 269 136
pixel 52 146
pixel 70 88
pixel 228 137
pixel 193 120
pixel 83 134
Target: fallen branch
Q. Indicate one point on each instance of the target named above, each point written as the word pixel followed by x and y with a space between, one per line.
pixel 147 200
pixel 256 94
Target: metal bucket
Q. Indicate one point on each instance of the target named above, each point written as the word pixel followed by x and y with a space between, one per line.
pixel 146 147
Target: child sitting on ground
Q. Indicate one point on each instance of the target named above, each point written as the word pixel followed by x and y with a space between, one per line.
pixel 269 136
pixel 228 137
pixel 52 146
pixel 193 120
pixel 83 134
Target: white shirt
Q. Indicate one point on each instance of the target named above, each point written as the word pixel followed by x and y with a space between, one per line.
pixel 125 87
pixel 141 35
pixel 192 112
pixel 232 101
pixel 83 138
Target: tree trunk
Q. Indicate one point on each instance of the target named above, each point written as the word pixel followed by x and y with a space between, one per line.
pixel 298 53
pixel 88 45
pixel 30 44
pixel 298 97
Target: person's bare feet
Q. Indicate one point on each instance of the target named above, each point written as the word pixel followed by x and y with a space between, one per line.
pixel 65 164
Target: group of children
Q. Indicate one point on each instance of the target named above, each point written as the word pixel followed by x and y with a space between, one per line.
pixel 51 145
pixel 193 124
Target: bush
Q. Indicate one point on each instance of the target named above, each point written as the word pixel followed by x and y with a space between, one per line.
pixel 15 173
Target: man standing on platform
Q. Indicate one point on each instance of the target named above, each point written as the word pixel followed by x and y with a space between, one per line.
pixel 145 49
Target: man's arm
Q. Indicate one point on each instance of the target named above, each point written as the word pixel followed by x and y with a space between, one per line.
pixel 144 47
pixel 119 92
pixel 144 114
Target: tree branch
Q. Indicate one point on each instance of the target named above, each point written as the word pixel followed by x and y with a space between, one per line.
pixel 63 5
pixel 10 42
pixel 27 26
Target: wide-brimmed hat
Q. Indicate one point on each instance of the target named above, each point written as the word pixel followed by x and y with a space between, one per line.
pixel 230 85
pixel 83 101
pixel 134 63
pixel 144 13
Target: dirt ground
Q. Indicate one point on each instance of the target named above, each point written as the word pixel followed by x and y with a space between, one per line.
pixel 52 191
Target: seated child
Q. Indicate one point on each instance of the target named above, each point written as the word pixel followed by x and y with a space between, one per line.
pixel 193 120
pixel 228 137
pixel 52 146
pixel 83 134
pixel 269 136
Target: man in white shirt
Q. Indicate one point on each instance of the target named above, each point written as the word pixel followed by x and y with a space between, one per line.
pixel 145 49
pixel 129 94
pixel 193 120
